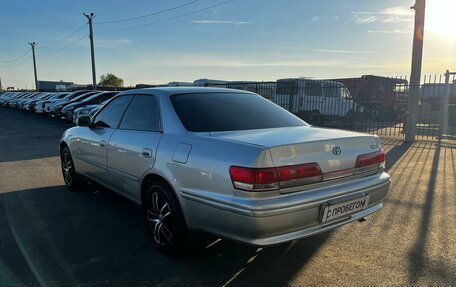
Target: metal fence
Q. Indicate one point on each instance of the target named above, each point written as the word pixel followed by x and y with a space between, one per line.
pixel 370 104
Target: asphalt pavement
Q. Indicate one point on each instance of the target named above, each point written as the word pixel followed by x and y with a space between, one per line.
pixel 50 236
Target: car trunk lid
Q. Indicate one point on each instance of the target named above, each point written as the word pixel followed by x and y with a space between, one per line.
pixel 335 151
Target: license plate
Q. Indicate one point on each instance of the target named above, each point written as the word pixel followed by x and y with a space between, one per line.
pixel 345 208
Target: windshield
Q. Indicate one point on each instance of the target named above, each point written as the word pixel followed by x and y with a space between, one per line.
pixel 74 95
pixel 210 112
pixel 83 96
pixel 92 97
pixel 401 88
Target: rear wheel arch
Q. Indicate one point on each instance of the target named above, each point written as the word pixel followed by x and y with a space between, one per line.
pixel 62 146
pixel 150 179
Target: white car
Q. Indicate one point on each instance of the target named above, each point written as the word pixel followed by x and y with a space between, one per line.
pixel 49 105
pixel 39 105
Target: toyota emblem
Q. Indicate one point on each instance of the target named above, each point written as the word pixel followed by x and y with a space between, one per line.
pixel 337 150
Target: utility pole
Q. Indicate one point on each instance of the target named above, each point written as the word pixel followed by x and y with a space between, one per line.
pixel 415 76
pixel 92 50
pixel 33 44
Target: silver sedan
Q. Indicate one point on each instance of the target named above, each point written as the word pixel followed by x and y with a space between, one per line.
pixel 226 162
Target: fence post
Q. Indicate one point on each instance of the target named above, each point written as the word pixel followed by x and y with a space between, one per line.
pixel 443 124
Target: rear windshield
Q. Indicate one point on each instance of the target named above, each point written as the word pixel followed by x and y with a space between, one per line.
pixel 211 112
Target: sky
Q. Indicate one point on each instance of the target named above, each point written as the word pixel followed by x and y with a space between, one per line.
pixel 256 40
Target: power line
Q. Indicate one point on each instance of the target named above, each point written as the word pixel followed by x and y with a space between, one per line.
pixel 15 65
pixel 15 59
pixel 42 47
pixel 64 38
pixel 147 15
pixel 64 47
pixel 166 19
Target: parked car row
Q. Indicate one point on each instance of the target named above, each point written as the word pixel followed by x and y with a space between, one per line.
pixel 65 105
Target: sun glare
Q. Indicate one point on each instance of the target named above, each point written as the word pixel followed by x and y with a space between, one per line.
pixel 441 18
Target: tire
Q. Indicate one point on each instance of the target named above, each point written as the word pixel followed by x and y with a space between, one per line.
pixel 71 178
pixel 315 118
pixel 165 220
pixel 376 113
pixel 349 119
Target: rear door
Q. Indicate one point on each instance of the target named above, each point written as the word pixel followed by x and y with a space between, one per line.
pixel 132 148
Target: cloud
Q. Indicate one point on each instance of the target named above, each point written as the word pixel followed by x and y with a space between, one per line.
pixel 395 31
pixel 199 60
pixel 245 64
pixel 366 19
pixel 319 18
pixel 220 22
pixel 314 19
pixel 388 15
pixel 343 51
pixel 391 11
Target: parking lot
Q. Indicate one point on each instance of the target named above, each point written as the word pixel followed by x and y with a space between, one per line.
pixel 50 236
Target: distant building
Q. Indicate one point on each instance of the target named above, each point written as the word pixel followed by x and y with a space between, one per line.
pixel 54 86
pixel 142 86
pixel 180 84
pixel 208 82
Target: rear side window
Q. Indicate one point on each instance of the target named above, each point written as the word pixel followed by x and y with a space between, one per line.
pixel 110 116
pixel 211 112
pixel 142 115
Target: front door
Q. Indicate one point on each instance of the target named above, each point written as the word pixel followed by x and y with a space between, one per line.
pixel 92 145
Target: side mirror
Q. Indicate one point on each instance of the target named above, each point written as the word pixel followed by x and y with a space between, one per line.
pixel 83 121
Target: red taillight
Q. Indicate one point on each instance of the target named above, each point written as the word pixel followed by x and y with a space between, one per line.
pixel 376 158
pixel 257 179
pixel 299 174
pixel 262 179
pixel 298 171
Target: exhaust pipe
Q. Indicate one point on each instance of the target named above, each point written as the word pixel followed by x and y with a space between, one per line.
pixel 362 219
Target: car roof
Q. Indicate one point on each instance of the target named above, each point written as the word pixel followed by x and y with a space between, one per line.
pixel 167 91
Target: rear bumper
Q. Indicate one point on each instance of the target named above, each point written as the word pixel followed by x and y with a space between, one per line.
pixel 285 218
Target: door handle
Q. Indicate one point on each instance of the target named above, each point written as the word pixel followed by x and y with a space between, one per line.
pixel 102 143
pixel 146 152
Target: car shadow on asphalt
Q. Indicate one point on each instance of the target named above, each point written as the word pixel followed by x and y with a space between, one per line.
pixel 394 154
pixel 52 236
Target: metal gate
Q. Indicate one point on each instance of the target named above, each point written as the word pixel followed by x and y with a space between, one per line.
pixel 370 104
pixel 437 107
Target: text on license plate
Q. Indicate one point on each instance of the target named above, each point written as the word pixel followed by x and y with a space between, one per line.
pixel 345 208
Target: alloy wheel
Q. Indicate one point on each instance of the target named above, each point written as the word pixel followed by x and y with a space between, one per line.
pixel 159 219
pixel 67 166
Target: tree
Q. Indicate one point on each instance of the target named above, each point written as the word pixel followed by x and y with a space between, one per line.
pixel 110 80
